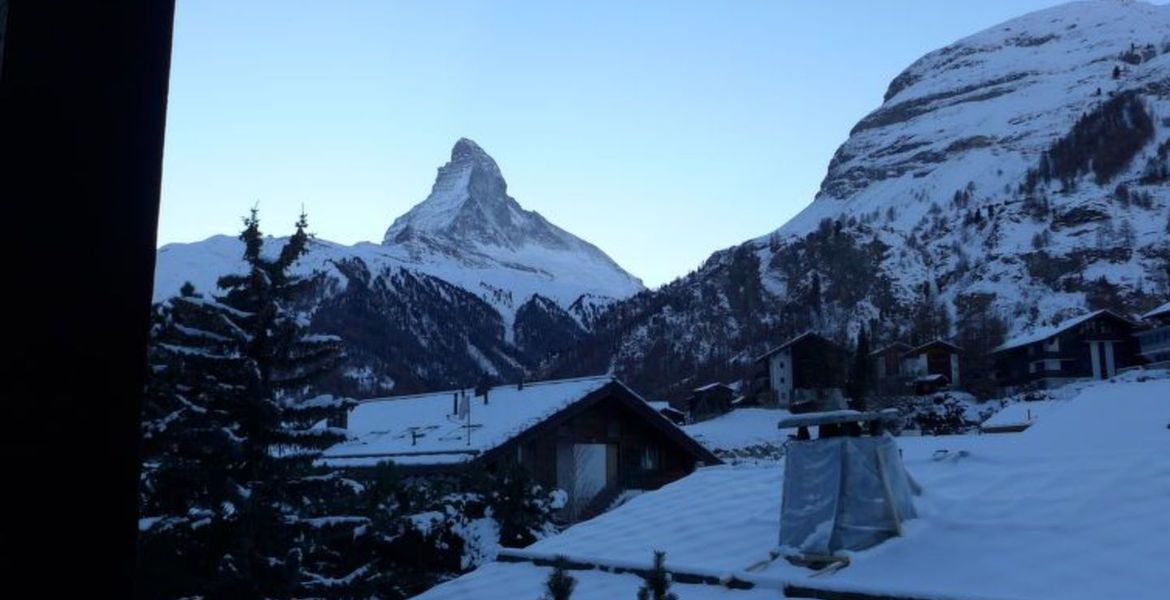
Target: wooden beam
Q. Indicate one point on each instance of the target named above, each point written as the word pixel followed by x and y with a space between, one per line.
pixel 837 417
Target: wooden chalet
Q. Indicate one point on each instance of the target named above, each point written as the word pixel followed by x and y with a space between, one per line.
pixel 592 437
pixel 932 366
pixel 804 372
pixel 1154 343
pixel 707 402
pixel 887 368
pixel 1094 345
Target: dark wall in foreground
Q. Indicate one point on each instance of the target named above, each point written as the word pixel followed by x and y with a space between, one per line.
pixel 82 112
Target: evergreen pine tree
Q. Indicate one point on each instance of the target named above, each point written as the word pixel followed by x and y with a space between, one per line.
pixel 656 584
pixel 859 372
pixel 815 292
pixel 192 482
pixel 520 506
pixel 979 331
pixel 560 584
pixel 231 430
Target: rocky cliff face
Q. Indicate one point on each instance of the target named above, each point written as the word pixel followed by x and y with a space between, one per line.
pixel 466 283
pixel 1020 174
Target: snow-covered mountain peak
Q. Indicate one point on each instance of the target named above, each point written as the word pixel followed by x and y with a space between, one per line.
pixel 979 112
pixel 465 149
pixel 469 228
pixel 465 282
pixel 467 189
pixel 469 204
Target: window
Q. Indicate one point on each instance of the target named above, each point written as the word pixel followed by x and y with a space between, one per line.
pixel 649 458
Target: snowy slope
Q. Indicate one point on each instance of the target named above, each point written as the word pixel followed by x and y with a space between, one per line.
pixel 1067 509
pixel 739 429
pixel 976 116
pixel 936 202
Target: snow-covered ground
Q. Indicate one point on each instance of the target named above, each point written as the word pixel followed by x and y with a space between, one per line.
pixel 1073 508
pixel 1022 413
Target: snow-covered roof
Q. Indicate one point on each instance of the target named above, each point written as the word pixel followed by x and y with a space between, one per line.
pixel 662 405
pixel 1039 510
pixel 936 342
pixel 932 378
pixel 658 404
pixel 1044 333
pixel 740 428
pixel 383 428
pixel 899 347
pixel 1161 311
pixel 789 343
pixel 711 386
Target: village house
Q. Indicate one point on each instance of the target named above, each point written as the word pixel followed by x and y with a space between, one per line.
pixel 805 372
pixel 1154 342
pixel 932 366
pixel 1094 345
pixel 592 437
pixel 887 364
pixel 707 402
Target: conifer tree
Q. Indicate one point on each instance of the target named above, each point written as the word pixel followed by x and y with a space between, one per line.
pixel 656 584
pixel 231 431
pixel 859 373
pixel 559 585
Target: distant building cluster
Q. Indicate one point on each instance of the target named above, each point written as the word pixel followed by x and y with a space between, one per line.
pixel 808 371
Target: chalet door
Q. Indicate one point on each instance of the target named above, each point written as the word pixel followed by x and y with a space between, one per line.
pixel 582 471
pixel 1103 360
pixel 590 461
pixel 1110 365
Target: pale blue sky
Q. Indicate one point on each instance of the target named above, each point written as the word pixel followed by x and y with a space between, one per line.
pixel 660 131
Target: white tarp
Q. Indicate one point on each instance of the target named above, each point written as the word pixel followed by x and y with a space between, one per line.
pixel 843 493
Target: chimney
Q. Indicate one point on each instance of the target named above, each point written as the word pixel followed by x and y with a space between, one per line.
pixel 482 388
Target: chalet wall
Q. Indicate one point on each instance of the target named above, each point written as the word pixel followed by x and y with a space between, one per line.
pixel 606 422
pixel 1097 348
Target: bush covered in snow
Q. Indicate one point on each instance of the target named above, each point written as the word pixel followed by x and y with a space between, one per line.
pixel 429 529
pixel 944 413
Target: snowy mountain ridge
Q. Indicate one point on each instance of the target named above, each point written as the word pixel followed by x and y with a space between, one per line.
pixel 971 120
pixel 469 248
pixel 1021 173
pixel 468 231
